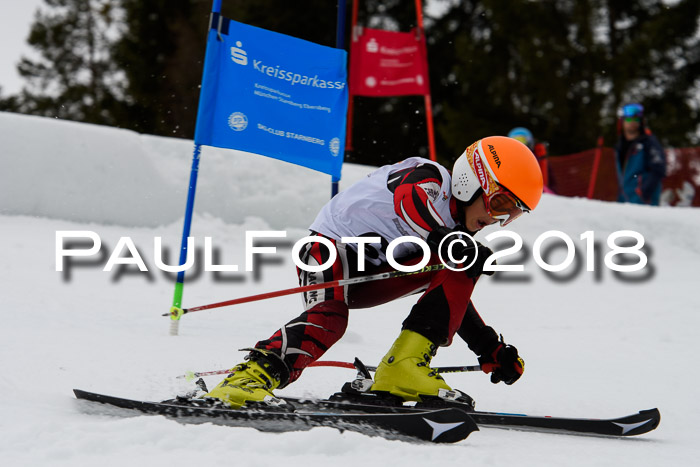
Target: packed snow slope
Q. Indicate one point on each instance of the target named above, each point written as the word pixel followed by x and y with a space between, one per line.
pixel 596 343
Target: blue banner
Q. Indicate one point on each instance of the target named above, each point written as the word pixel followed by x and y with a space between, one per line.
pixel 273 95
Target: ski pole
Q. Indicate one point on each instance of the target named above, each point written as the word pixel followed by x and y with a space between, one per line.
pixel 196 374
pixel 190 375
pixel 175 311
pixel 439 369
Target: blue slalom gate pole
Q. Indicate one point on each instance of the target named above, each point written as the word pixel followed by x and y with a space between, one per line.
pixel 194 171
pixel 180 282
pixel 339 44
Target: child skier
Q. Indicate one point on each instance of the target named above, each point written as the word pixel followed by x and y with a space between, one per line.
pixel 495 179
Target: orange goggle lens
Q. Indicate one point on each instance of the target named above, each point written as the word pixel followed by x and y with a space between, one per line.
pixel 503 206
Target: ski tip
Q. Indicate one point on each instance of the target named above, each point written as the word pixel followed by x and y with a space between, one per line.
pixel 654 418
pixel 640 423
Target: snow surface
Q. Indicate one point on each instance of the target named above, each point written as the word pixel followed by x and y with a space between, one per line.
pixel 595 345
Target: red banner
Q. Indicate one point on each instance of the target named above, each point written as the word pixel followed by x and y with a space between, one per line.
pixel 386 63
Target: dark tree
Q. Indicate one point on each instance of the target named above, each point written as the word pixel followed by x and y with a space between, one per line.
pixel 561 67
pixel 8 104
pixel 654 58
pixel 162 52
pixel 74 77
pixel 162 55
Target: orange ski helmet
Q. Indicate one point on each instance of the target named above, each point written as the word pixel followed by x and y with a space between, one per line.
pixel 494 163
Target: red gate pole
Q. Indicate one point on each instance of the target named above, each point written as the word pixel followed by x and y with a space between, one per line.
pixel 427 99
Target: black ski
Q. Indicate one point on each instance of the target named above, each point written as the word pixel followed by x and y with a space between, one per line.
pixel 446 425
pixel 635 424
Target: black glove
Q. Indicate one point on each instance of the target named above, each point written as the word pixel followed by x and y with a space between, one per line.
pixel 460 249
pixel 503 362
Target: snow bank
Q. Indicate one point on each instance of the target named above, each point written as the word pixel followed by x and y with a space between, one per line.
pixel 89 173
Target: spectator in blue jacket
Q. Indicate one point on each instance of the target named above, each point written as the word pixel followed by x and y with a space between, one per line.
pixel 641 161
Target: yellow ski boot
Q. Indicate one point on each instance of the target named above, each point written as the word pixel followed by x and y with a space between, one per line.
pixel 251 381
pixel 405 371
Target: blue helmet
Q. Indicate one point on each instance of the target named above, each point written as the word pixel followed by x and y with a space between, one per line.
pixel 631 110
pixel 523 135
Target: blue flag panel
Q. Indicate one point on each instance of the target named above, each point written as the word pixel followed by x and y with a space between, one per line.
pixel 274 95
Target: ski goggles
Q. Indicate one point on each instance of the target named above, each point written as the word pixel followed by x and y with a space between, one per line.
pixel 504 206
